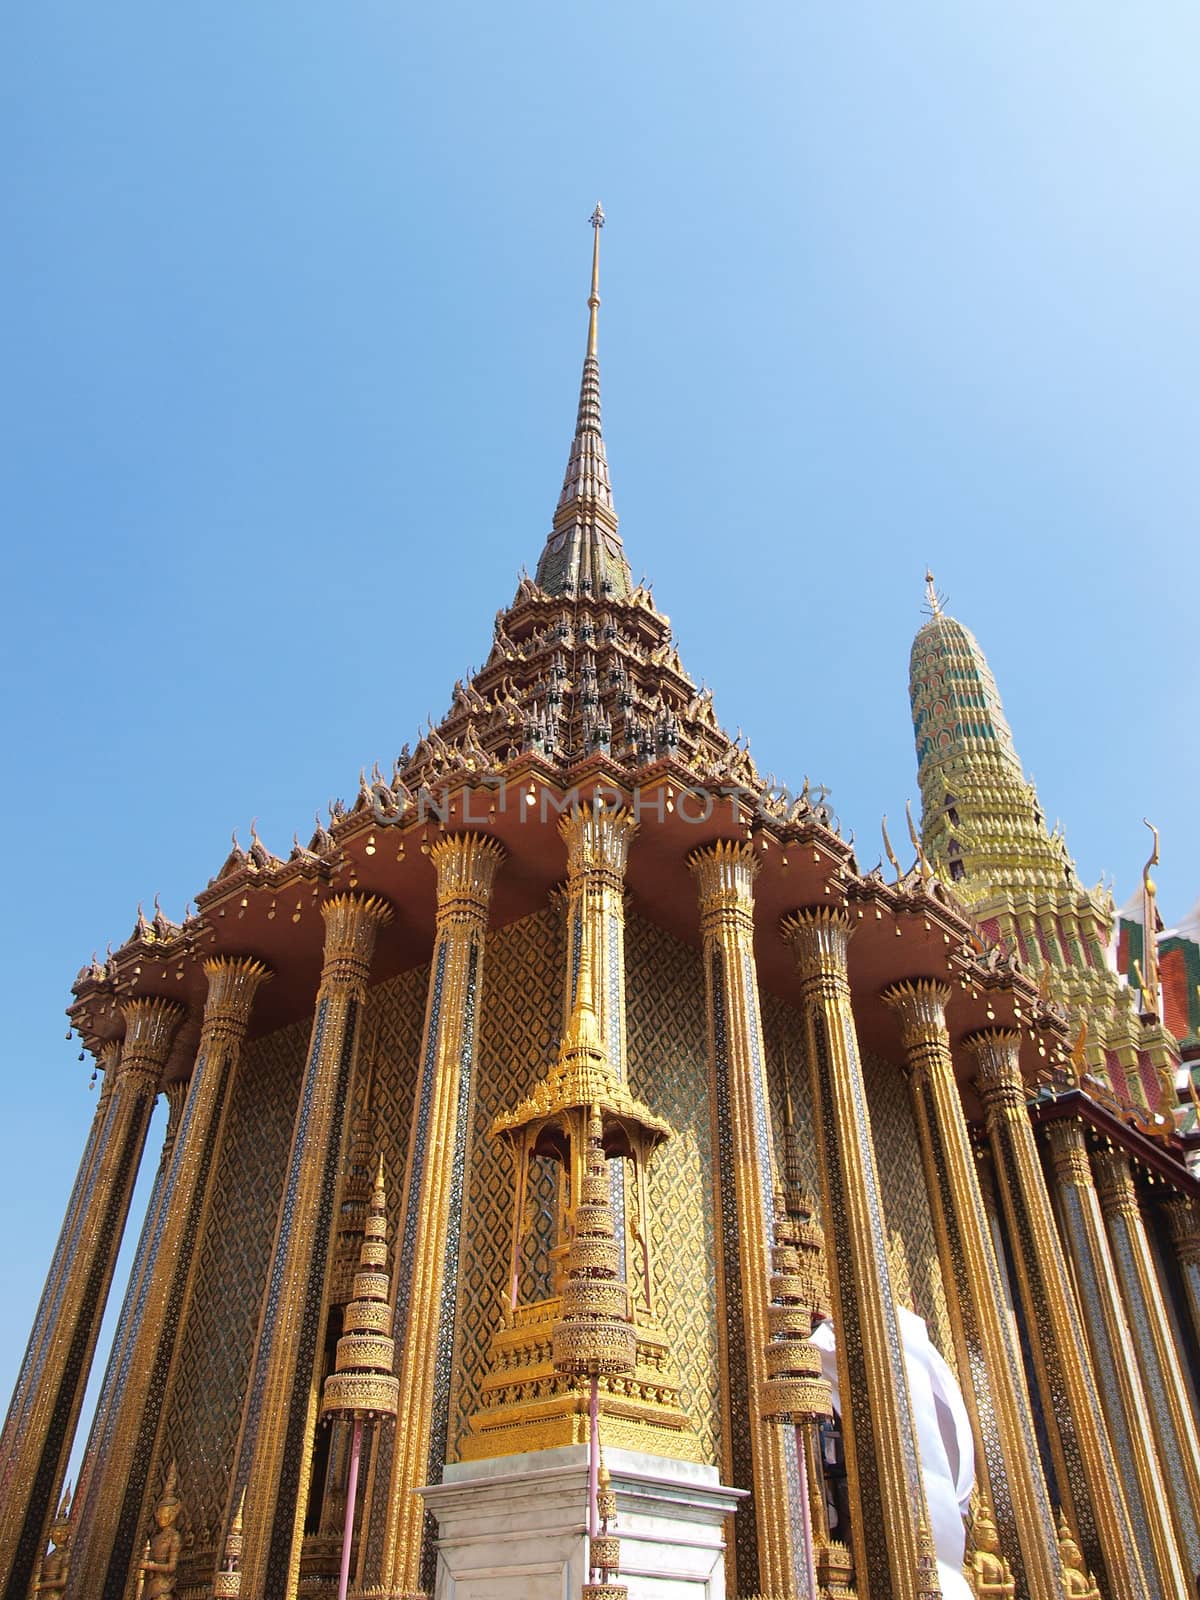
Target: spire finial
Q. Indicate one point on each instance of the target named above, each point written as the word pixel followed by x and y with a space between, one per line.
pixel 583 555
pixel 934 602
pixel 1150 998
pixel 597 221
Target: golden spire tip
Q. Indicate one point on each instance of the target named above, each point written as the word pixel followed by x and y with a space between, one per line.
pixel 934 601
pixel 597 221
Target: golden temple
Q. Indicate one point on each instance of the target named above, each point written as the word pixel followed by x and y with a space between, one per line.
pixel 862 1195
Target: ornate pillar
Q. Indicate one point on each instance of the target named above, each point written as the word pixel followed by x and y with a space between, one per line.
pixel 399 1554
pixel 598 839
pixel 768 1549
pixel 81 1278
pixel 1084 1465
pixel 1114 1356
pixel 1183 1219
pixel 99 1436
pixel 114 1500
pixel 989 1359
pixel 107 1058
pixel 1171 1417
pixel 890 1517
pixel 274 1456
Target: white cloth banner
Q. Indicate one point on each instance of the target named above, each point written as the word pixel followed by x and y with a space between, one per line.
pixel 944 1441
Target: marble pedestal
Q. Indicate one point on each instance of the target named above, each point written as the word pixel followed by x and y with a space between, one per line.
pixel 515 1528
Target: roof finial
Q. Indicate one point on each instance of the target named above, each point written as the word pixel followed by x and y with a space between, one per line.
pixel 934 602
pixel 1150 999
pixel 597 221
pixel 583 555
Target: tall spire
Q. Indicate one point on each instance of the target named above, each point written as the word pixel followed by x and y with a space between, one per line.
pixel 982 827
pixel 583 554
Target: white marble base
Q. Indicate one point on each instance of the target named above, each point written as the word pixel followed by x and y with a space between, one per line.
pixel 515 1528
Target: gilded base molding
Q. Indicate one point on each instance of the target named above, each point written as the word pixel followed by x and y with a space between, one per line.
pixel 527 1406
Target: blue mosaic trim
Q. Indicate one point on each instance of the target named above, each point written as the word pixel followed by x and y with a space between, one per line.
pixel 439 1432
pixel 70 1217
pixel 742 1418
pixel 1039 1330
pixel 73 1241
pixel 31 1541
pixel 279 1261
pixel 1087 1282
pixel 124 1546
pixel 1156 1381
pixel 385 1437
pixel 852 1352
pixel 312 1323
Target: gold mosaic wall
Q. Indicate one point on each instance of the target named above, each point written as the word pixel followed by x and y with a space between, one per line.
pixel 786 1067
pixel 668 1069
pixel 520 1017
pixel 204 1409
pixel 901 1176
pixel 905 1203
pixel 392 1025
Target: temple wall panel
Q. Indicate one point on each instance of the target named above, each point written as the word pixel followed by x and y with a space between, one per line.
pixel 905 1201
pixel 216 1347
pixel 901 1176
pixel 520 1017
pixel 392 1026
pixel 668 1068
pixel 783 1038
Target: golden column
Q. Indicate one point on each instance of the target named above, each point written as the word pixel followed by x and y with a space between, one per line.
pixel 887 1491
pixel 768 1549
pixel 1171 1417
pixel 1114 1356
pixel 1183 1219
pixel 36 1460
pixel 115 1499
pixel 988 1357
pixel 598 839
pixel 1084 1465
pixel 274 1456
pixel 399 1556
pixel 100 1435
pixel 107 1058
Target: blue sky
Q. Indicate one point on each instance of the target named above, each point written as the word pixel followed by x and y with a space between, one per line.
pixel 292 315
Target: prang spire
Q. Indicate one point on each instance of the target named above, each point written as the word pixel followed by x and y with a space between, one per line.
pixel 583 555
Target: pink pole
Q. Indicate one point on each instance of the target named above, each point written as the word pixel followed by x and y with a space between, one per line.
pixel 593 1466
pixel 351 1497
pixel 810 1560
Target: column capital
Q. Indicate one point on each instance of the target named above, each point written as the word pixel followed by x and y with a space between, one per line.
pixel 597 838
pixel 820 940
pixel 920 1004
pixel 1114 1182
pixel 466 865
pixel 724 872
pixel 997 1065
pixel 150 1025
pixel 351 923
pixel 1183 1220
pixel 233 982
pixel 108 1060
pixel 1069 1153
